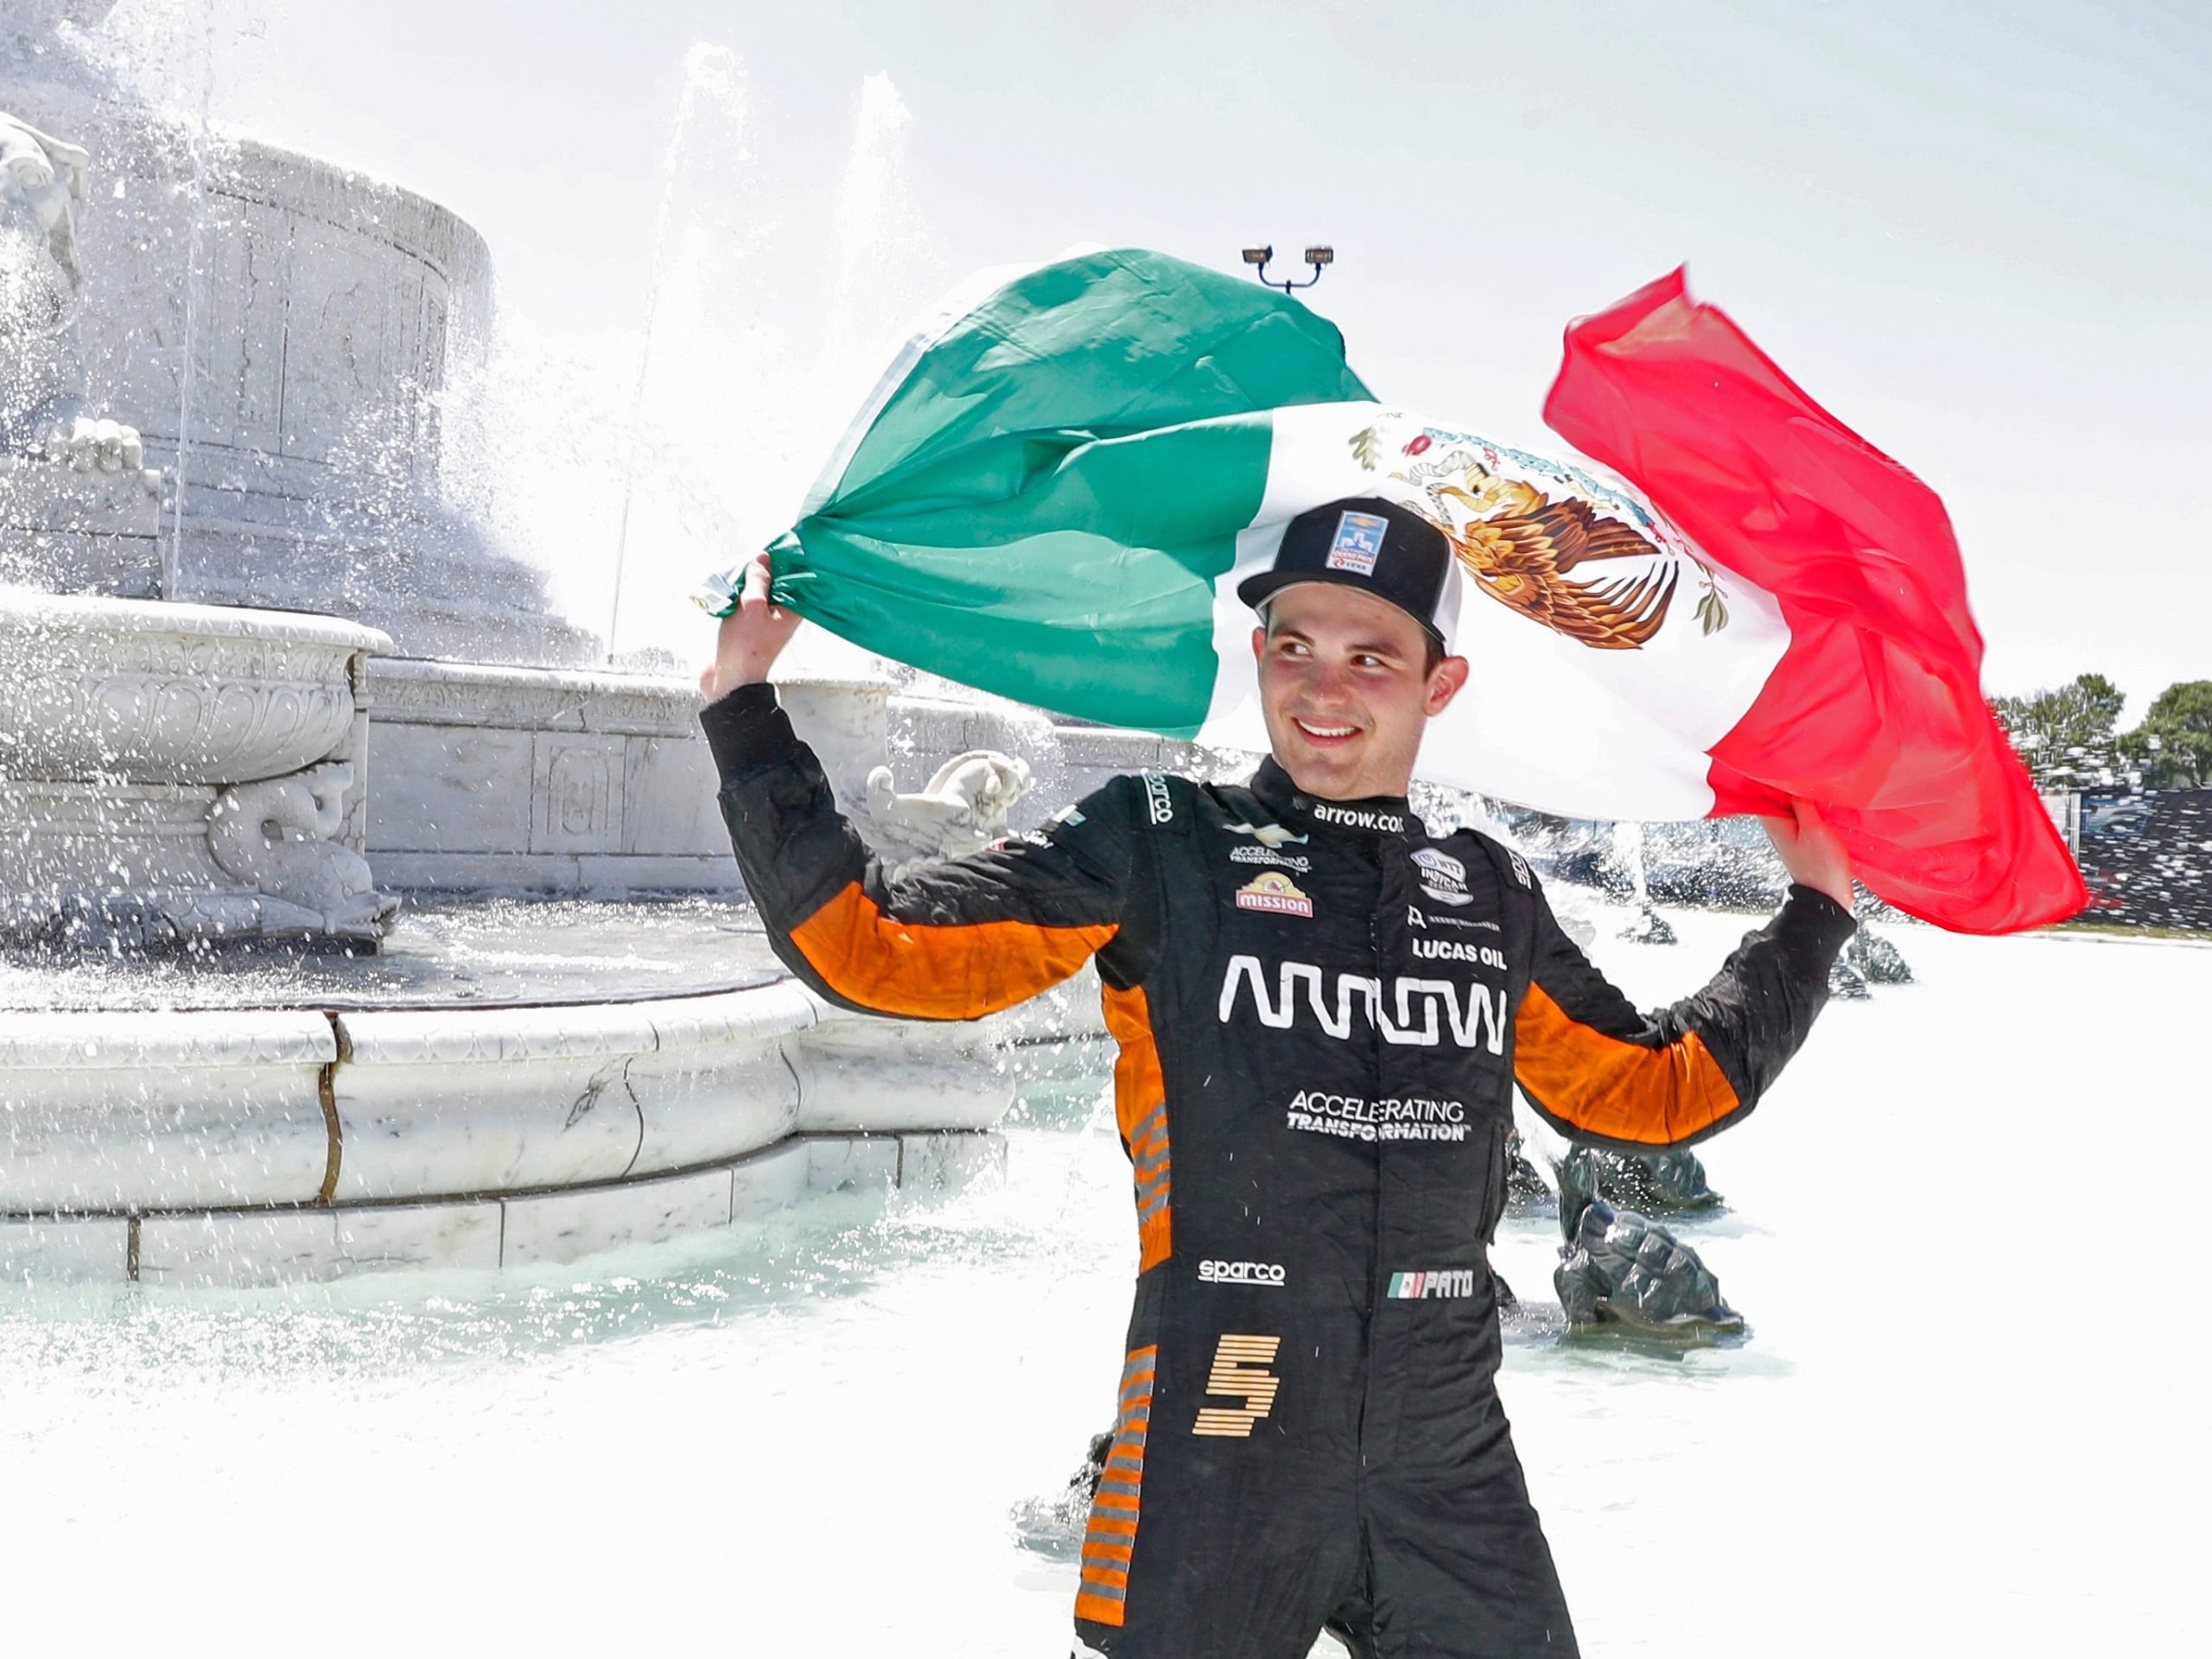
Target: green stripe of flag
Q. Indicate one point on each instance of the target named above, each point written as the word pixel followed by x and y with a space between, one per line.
pixel 1043 502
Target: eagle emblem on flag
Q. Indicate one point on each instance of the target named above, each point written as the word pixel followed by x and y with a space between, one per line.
pixel 1522 545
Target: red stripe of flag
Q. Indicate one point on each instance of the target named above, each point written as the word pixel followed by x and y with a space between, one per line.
pixel 1875 712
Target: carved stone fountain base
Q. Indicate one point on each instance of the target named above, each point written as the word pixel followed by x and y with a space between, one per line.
pixel 263 1146
pixel 163 886
pixel 177 772
pixel 500 779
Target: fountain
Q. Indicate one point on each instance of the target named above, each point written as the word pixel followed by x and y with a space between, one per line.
pixel 261 680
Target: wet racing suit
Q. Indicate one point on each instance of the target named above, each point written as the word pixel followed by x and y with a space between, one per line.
pixel 1321 1014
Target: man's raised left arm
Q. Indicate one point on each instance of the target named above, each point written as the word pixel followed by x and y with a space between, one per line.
pixel 1602 1073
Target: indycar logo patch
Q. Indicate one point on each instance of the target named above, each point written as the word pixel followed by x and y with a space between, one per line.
pixel 1442 877
pixel 1274 893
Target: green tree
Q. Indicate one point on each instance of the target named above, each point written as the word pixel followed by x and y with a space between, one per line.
pixel 2065 734
pixel 2173 746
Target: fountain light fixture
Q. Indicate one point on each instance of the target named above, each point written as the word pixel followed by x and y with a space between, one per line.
pixel 1316 256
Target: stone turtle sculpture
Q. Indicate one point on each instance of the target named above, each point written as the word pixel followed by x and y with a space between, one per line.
pixel 1621 1271
pixel 1657 1183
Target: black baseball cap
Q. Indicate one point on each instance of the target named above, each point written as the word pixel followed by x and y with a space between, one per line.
pixel 1367 543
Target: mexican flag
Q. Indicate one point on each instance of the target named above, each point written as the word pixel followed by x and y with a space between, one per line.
pixel 1055 489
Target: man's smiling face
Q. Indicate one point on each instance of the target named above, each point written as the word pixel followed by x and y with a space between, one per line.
pixel 1347 689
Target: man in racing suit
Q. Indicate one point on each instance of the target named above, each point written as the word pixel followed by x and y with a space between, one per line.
pixel 1321 1012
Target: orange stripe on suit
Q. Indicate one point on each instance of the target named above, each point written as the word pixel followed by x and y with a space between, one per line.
pixel 1109 1538
pixel 1610 1087
pixel 923 972
pixel 1139 1089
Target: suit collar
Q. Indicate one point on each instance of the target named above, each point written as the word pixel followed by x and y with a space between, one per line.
pixel 1375 814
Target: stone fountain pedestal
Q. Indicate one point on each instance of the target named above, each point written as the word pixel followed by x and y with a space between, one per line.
pixel 173 772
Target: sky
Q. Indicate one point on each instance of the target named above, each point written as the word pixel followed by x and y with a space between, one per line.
pixel 1980 233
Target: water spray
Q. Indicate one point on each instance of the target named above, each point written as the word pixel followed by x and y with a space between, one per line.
pixel 707 67
pixel 202 138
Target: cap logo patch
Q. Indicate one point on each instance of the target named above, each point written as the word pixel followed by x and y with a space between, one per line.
pixel 1276 893
pixel 1358 543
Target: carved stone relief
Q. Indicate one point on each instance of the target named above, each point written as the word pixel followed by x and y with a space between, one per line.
pixel 279 837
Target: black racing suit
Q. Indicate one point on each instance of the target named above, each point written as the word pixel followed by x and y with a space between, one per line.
pixel 1321 1012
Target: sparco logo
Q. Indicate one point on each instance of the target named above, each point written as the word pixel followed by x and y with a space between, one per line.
pixel 1158 806
pixel 1416 1013
pixel 1354 819
pixel 1240 1273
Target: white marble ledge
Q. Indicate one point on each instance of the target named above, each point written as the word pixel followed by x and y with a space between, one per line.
pixel 107 1040
pixel 411 1133
pixel 861 1074
pixel 414 691
pixel 490 1036
pixel 553 1227
pixel 55 617
pixel 39 1250
pixel 754 1014
pixel 703 1105
pixel 249 1248
pixel 950 1162
pixel 851 1163
pixel 768 1182
pixel 171 1137
pixel 459 1036
pixel 241 1249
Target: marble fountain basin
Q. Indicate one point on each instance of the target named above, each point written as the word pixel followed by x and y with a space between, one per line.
pixel 97 690
pixel 504 1084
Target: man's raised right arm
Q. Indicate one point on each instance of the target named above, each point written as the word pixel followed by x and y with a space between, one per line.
pixel 960 940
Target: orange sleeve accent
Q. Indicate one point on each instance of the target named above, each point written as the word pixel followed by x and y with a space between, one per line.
pixel 1619 1089
pixel 1139 1086
pixel 925 972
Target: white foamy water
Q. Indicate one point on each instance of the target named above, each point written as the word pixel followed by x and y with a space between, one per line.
pixel 1966 1422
